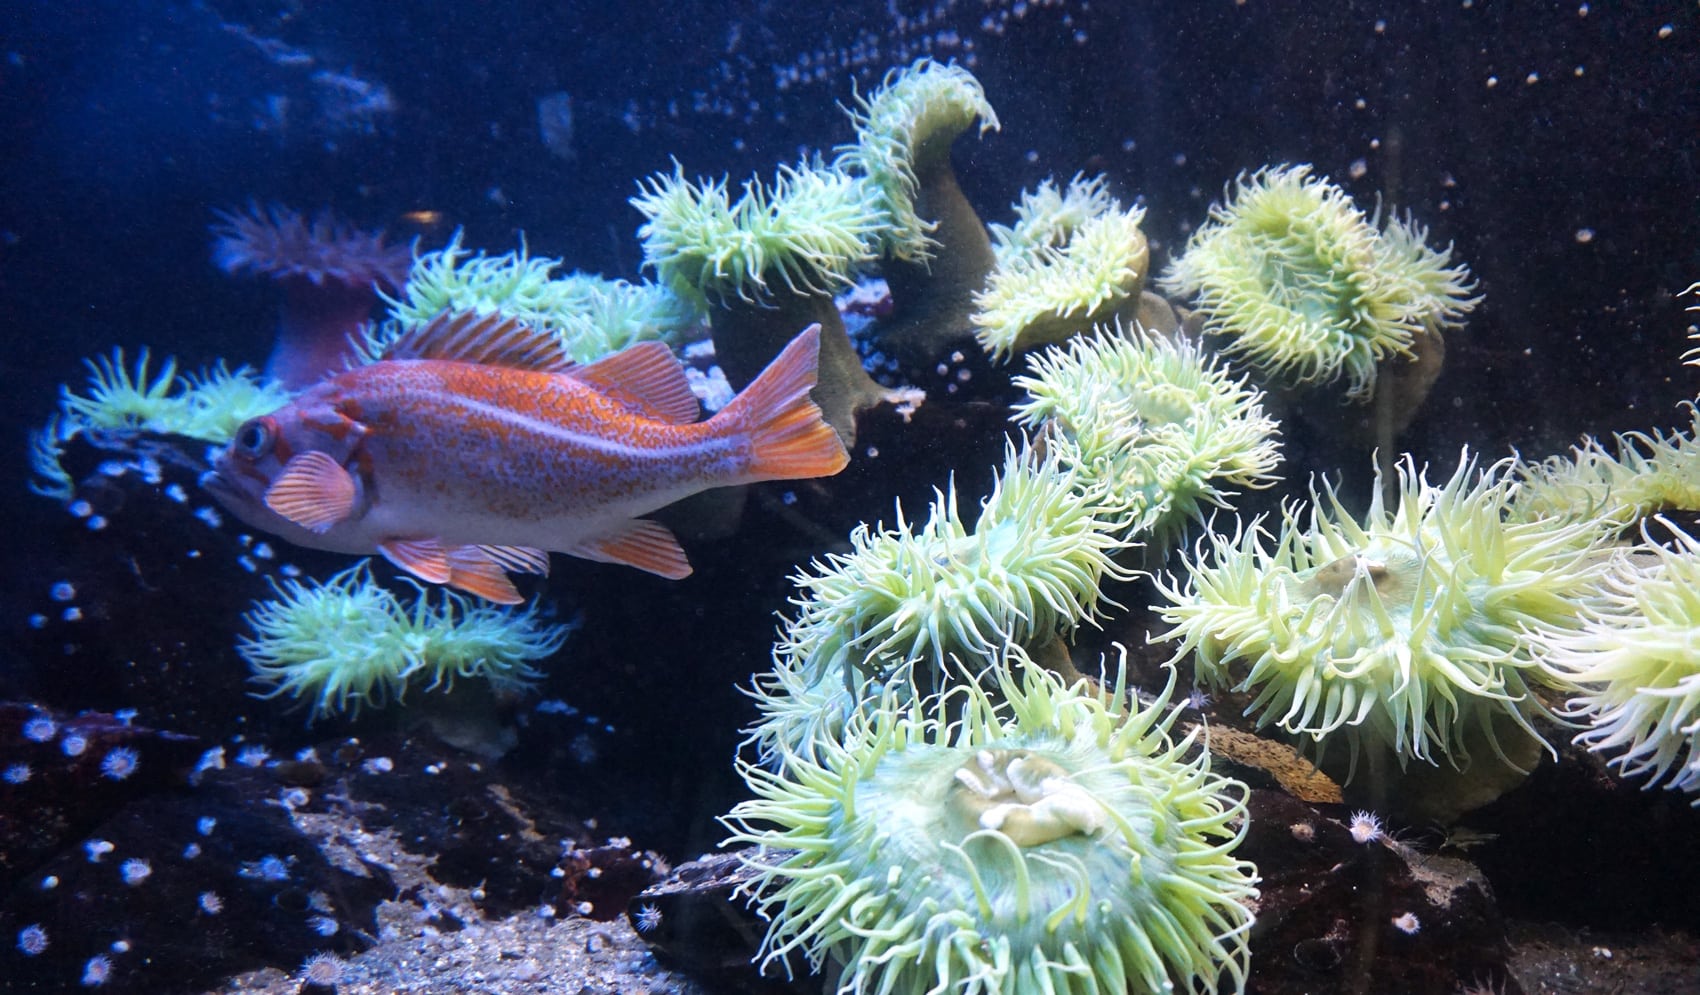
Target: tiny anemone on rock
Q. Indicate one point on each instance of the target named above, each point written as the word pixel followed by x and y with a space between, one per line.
pixel 1055 840
pixel 1637 663
pixel 1152 425
pixel 348 643
pixel 906 598
pixel 1308 288
pixel 1408 628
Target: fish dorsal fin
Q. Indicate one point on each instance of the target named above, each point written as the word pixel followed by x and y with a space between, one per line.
pixel 487 339
pixel 314 491
pixel 473 570
pixel 638 543
pixel 647 379
pixel 423 558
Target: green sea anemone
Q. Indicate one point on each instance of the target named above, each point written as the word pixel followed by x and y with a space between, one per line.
pixel 1637 661
pixel 1408 628
pixel 1050 839
pixel 1643 473
pixel 209 405
pixel 1151 425
pixel 1308 288
pixel 1072 258
pixel 906 598
pixel 592 315
pixel 902 131
pixel 348 643
pixel 807 233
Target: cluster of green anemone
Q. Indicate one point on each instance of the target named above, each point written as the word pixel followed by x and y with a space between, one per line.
pixel 593 316
pixel 1408 629
pixel 933 809
pixel 905 605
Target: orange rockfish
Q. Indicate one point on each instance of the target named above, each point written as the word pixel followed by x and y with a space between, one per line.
pixel 474 447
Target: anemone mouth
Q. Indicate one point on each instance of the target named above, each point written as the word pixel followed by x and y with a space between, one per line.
pixel 1028 797
pixel 277 242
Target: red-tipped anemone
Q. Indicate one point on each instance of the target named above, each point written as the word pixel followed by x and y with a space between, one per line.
pixel 330 272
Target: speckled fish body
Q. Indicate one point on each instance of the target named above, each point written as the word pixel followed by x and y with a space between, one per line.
pixel 459 470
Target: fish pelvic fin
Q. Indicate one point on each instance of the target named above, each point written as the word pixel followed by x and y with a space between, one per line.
pixel 473 569
pixel 788 437
pixel 639 543
pixel 314 491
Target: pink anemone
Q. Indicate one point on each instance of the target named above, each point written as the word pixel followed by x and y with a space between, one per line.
pixel 331 274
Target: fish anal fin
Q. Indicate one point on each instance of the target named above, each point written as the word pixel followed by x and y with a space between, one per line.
pixel 423 558
pixel 475 571
pixel 647 379
pixel 519 559
pixel 314 491
pixel 639 543
pixel 487 339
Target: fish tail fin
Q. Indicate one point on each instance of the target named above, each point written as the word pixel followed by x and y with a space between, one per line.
pixel 788 437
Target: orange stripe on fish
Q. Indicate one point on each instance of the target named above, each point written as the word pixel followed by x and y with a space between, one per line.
pixel 474 447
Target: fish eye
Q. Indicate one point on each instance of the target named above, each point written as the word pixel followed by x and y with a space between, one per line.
pixel 255 437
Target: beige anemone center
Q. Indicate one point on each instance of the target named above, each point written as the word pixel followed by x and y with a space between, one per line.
pixel 1026 797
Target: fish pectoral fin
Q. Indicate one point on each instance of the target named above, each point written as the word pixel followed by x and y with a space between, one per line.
pixel 647 380
pixel 314 491
pixel 519 559
pixel 472 569
pixel 638 543
pixel 423 558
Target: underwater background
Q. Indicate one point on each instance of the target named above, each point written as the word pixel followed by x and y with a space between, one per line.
pixel 1554 147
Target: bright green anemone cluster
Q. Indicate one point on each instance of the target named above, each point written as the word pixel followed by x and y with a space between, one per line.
pixel 1072 257
pixel 1308 288
pixel 903 598
pixel 809 232
pixel 209 405
pixel 1154 427
pixel 1645 473
pixel 1637 663
pixel 592 315
pixel 1045 839
pixel 1409 628
pixel 914 115
pixel 348 643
